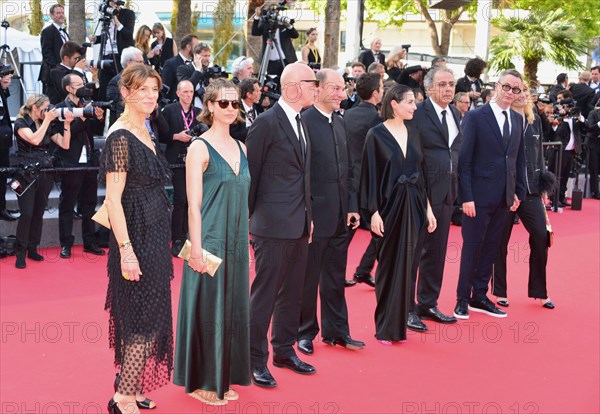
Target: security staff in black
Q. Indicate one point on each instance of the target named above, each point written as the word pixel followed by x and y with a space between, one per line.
pixel 6 136
pixel 82 184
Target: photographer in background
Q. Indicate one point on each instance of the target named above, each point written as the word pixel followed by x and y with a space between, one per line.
pixel 568 125
pixel 35 138
pixel 471 82
pixel 593 145
pixel 583 94
pixel 70 54
pixel 82 184
pixel 51 39
pixel 6 136
pixel 250 96
pixel 241 69
pixel 129 56
pixel 197 72
pixel 357 69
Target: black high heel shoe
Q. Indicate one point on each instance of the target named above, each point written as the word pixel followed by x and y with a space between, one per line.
pixel 147 404
pixel 113 408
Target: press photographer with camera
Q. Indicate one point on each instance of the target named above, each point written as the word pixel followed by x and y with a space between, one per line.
pixel 35 137
pixel 250 95
pixel 6 136
pixel 70 54
pixel 78 184
pixel 568 125
pixel 198 72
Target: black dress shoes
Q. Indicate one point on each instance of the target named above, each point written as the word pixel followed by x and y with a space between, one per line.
pixel 503 302
pixel 415 323
pixel 364 278
pixel 350 283
pixel 564 203
pixel 461 311
pixel 262 377
pixel 306 346
pixel 7 216
pixel 77 216
pixel 486 306
pixel 176 247
pixel 65 252
pixel 20 263
pixel 34 255
pixel 548 305
pixel 346 342
pixel 295 364
pixel 434 314
pixel 94 249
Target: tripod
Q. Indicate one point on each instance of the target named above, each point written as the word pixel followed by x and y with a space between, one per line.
pixel 104 37
pixel 271 43
pixel 5 53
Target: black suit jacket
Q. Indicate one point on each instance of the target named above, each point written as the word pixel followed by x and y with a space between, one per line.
pixel 169 74
pixel 280 200
pixel 464 85
pixel 358 120
pixel 82 134
pixel 584 95
pixel 176 149
pixel 51 42
pixel 55 91
pixel 563 134
pixel 490 173
pixel 285 37
pixel 333 195
pixel 6 128
pixel 366 58
pixel 189 72
pixel 441 159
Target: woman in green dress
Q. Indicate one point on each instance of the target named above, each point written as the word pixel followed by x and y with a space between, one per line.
pixel 213 346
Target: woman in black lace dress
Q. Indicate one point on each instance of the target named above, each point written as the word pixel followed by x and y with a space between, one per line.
pixel 140 268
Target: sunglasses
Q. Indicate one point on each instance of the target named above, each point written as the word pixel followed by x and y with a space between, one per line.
pixel 315 81
pixel 224 103
pixel 506 87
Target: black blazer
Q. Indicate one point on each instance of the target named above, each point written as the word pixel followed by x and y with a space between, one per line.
pixel 169 74
pixel 533 138
pixel 358 120
pixel 51 42
pixel 82 134
pixel 6 128
pixel 55 91
pixel 113 94
pixel 490 173
pixel 285 37
pixel 593 139
pixel 441 160
pixel 464 85
pixel 176 150
pixel 563 134
pixel 333 194
pixel 189 72
pixel 584 95
pixel 279 201
pixel 366 58
pixel 166 53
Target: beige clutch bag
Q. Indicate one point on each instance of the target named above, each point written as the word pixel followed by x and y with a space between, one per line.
pixel 101 216
pixel 212 261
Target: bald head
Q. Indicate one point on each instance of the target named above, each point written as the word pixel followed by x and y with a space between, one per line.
pixel 184 84
pixel 296 91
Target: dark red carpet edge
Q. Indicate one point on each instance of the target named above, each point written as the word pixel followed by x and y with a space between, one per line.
pixel 54 352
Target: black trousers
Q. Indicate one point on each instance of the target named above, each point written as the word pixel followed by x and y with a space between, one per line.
pixel 594 168
pixel 565 170
pixel 533 216
pixel 325 273
pixel 433 258
pixel 179 217
pixel 276 293
pixel 481 238
pixel 32 205
pixel 82 186
pixel 367 261
pixel 4 162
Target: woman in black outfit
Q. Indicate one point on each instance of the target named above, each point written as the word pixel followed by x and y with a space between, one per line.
pixel 531 211
pixel 35 139
pixel 167 48
pixel 310 51
pixel 393 197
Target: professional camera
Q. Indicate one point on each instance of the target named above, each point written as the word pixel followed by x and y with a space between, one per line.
pixel 197 130
pixel 269 90
pixel 273 19
pixel 86 112
pixel 566 108
pixel 27 174
pixel 108 11
pixel 214 72
pixel 348 79
pixel 102 64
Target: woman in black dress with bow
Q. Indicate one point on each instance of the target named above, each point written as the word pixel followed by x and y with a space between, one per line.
pixel 393 197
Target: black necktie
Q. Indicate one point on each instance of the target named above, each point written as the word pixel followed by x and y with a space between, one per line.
pixel 301 137
pixel 445 127
pixel 505 129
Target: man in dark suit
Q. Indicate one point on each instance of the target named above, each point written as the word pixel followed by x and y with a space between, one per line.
pixel 372 55
pixel 70 54
pixel 358 120
pixel 491 171
pixel 593 144
pixel 438 123
pixel 196 72
pixel 562 80
pixel 335 208
pixel 471 83
pixel 250 94
pixel 6 136
pixel 181 117
pixel 129 56
pixel 280 222
pixel 185 56
pixel 584 94
pixel 283 36
pixel 52 38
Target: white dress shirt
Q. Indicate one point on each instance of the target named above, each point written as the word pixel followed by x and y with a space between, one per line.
pixel 452 127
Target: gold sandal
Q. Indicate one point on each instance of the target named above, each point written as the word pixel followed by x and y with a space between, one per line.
pixel 231 395
pixel 207 397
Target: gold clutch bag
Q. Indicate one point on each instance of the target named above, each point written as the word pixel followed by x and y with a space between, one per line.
pixel 212 261
pixel 549 231
pixel 101 216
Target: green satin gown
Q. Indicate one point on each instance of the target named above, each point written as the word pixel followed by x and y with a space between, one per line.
pixel 213 346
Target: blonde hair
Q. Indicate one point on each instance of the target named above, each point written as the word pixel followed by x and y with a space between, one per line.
pixel 211 94
pixel 158 26
pixel 528 107
pixel 36 100
pixel 144 46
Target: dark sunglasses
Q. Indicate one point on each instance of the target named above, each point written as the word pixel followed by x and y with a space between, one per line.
pixel 224 103
pixel 315 81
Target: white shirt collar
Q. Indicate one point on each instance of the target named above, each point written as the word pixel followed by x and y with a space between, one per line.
pixel 328 116
pixel 184 58
pixel 246 107
pixel 500 116
pixel 439 109
pixel 58 27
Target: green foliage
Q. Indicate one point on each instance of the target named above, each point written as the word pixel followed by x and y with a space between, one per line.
pixel 195 18
pixel 174 11
pixel 36 20
pixel 224 30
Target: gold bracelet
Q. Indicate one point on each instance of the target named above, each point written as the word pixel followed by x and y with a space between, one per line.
pixel 124 244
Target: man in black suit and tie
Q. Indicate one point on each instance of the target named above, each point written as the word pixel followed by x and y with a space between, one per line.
pixel 280 222
pixel 70 54
pixel 438 123
pixel 52 38
pixel 181 117
pixel 471 83
pixel 335 208
pixel 250 94
pixel 196 71
pixel 583 93
pixel 372 55
pixel 283 36
pixel 491 171
pixel 185 56
pixel 358 120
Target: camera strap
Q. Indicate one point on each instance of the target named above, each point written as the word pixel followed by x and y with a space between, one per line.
pixel 188 120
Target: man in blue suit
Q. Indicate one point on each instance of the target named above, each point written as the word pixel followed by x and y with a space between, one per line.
pixel 491 172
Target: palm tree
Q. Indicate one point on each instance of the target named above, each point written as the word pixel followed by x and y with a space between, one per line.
pixel 541 35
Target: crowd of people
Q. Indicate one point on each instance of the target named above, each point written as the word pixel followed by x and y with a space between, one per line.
pixel 391 149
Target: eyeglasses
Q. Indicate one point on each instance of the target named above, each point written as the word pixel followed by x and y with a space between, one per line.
pixel 506 87
pixel 444 84
pixel 224 103
pixel 315 81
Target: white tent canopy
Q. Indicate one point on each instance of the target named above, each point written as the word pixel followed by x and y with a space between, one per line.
pixel 29 51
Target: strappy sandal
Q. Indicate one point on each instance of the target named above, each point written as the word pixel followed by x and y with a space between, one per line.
pixel 208 397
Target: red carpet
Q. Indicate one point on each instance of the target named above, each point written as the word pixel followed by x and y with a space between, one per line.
pixel 55 356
